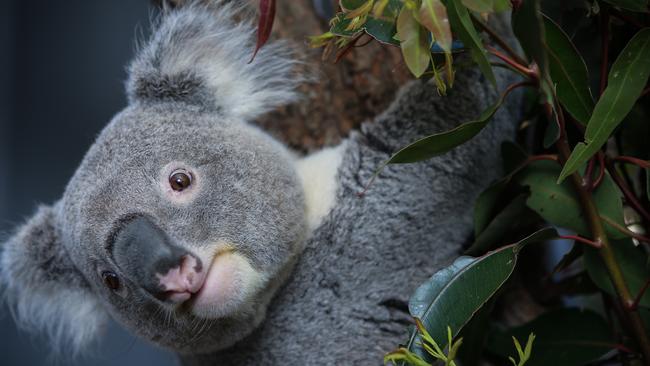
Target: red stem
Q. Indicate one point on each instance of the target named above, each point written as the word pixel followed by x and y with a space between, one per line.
pixel 632 160
pixel 638 297
pixel 514 64
pixel 582 240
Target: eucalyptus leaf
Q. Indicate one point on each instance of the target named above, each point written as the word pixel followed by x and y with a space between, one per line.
pixel 564 337
pixel 528 27
pixel 632 261
pixel 462 26
pixel 414 42
pixel 500 225
pixel 627 78
pixel 559 205
pixel 433 15
pixel 440 143
pixel 474 280
pixel 569 71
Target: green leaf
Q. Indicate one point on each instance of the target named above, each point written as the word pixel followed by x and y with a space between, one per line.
pixel 500 225
pixel 487 6
pixel 462 26
pixel 440 143
pixel 563 337
pixel 633 5
pixel 474 280
pixel 485 205
pixel 559 204
pixel 632 261
pixel 627 78
pixel 569 72
pixel 413 41
pixel 433 15
pixel 528 27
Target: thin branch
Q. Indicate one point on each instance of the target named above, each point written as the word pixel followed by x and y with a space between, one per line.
pixel 517 66
pixel 582 240
pixel 625 230
pixel 500 41
pixel 632 160
pixel 639 296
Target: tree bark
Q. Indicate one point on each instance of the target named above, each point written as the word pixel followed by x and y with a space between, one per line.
pixel 340 96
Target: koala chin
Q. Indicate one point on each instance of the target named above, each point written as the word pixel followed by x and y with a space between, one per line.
pixel 184 220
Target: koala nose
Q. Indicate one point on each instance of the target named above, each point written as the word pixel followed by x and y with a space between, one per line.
pixel 149 258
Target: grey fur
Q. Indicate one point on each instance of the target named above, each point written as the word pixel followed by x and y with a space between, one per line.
pixel 344 301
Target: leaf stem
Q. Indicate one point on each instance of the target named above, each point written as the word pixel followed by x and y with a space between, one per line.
pixel 582 240
pixel 498 40
pixel 517 66
pixel 632 160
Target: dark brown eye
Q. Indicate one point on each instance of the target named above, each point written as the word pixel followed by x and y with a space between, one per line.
pixel 111 280
pixel 180 180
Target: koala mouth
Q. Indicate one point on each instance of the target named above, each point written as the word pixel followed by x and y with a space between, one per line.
pixel 219 290
pixel 228 285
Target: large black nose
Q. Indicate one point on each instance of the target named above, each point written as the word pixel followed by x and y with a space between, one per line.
pixel 147 255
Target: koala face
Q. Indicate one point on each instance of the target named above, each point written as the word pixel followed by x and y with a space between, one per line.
pixel 182 217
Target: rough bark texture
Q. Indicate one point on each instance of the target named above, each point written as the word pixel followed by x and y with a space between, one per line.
pixel 342 95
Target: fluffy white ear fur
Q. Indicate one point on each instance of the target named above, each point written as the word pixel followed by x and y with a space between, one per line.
pixel 45 292
pixel 200 46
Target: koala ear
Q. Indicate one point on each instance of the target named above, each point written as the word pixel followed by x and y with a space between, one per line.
pixel 198 54
pixel 45 291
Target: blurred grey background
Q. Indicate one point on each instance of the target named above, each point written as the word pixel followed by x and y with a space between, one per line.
pixel 62 67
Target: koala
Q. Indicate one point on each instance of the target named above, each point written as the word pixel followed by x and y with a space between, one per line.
pixel 203 234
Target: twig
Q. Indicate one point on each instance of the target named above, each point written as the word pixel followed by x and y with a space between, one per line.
pixel 582 240
pixel 517 66
pixel 625 230
pixel 500 41
pixel 638 297
pixel 632 160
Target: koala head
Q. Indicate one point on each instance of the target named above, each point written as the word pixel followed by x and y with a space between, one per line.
pixel 183 219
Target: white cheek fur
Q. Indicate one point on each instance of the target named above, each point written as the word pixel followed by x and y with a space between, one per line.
pixel 185 196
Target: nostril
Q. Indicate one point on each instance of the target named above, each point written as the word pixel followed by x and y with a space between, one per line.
pixel 180 282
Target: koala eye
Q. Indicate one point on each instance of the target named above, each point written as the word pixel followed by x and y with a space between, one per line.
pixel 180 180
pixel 111 280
